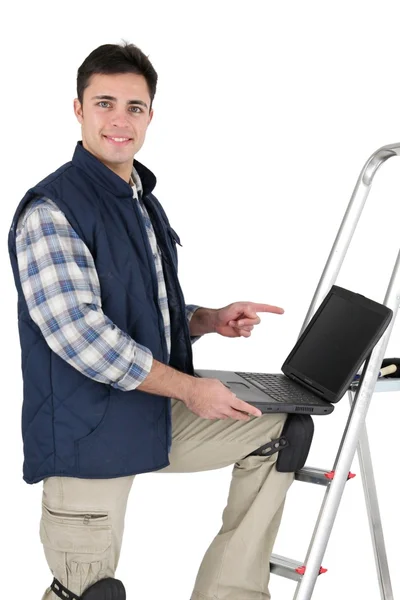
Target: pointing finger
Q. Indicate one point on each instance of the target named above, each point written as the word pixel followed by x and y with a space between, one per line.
pixel 266 308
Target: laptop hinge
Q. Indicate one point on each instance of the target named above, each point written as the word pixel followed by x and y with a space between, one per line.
pixel 311 387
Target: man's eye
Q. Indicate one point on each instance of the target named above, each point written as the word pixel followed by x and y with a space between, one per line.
pixel 135 108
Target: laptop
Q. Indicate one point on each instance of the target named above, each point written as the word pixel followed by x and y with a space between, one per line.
pixel 322 365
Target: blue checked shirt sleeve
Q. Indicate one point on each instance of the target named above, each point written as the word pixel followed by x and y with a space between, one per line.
pixel 190 310
pixel 62 291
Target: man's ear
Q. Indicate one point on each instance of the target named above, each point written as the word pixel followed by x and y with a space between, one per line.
pixel 78 110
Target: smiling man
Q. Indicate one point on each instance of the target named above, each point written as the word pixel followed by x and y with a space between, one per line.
pixel 106 340
pixel 115 143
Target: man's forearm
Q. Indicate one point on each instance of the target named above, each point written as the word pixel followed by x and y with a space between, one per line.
pixel 166 381
pixel 202 321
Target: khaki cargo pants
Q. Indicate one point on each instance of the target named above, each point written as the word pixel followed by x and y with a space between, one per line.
pixel 82 522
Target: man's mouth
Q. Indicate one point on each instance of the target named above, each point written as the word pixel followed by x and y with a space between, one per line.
pixel 118 141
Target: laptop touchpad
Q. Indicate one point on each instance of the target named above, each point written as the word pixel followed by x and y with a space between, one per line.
pixel 237 385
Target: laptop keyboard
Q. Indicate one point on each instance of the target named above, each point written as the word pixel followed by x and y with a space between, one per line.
pixel 280 388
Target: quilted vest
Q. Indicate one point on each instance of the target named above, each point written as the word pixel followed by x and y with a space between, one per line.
pixel 72 425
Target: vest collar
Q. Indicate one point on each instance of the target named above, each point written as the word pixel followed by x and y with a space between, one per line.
pixel 102 175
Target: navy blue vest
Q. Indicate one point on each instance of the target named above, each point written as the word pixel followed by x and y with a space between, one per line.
pixel 72 425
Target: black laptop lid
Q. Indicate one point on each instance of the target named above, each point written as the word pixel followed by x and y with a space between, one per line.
pixel 338 339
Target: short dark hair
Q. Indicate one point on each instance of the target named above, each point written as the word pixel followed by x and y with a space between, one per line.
pixel 116 58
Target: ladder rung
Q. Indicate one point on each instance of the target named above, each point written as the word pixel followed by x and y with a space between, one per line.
pixel 288 568
pixel 318 476
pixel 385 384
pixel 313 475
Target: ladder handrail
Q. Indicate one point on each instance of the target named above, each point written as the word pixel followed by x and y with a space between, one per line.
pixel 348 226
pixel 359 409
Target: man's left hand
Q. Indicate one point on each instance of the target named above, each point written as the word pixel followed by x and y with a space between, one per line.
pixel 238 319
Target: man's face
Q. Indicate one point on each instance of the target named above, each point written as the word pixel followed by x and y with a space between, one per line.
pixel 124 114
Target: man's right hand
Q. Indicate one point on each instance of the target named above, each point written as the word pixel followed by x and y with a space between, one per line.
pixel 207 398
pixel 211 399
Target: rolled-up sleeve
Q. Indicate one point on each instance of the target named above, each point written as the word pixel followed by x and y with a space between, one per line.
pixel 62 290
pixel 190 310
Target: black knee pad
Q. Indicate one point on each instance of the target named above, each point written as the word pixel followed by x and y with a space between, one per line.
pixel 293 445
pixel 105 589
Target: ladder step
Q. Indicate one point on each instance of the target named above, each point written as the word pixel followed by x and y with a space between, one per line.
pixel 384 384
pixel 288 568
pixel 318 476
pixel 313 475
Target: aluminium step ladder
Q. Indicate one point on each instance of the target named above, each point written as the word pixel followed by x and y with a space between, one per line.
pixel 355 434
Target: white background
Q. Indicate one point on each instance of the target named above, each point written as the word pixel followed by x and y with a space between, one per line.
pixel 264 116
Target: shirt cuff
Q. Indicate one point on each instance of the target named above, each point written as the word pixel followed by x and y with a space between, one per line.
pixel 190 310
pixel 138 370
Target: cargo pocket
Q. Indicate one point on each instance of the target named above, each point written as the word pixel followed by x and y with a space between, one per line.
pixel 77 546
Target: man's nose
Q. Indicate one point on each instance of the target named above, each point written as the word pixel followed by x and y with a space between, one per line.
pixel 119 118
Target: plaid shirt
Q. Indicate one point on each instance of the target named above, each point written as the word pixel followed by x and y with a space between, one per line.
pixel 62 291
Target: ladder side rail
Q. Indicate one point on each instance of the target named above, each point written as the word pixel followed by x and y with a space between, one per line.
pixel 348 447
pixel 373 512
pixel 393 297
pixel 334 492
pixel 374 517
pixel 356 419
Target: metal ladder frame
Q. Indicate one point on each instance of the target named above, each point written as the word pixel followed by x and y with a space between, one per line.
pixel 355 432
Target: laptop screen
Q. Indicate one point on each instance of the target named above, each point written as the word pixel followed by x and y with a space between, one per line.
pixel 337 338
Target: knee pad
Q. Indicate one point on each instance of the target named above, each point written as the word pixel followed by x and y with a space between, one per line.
pixel 105 589
pixel 293 445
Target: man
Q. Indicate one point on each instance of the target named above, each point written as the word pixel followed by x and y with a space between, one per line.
pixel 109 386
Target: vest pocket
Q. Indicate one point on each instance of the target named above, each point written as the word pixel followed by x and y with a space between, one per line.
pixel 127 441
pixel 91 437
pixel 162 425
pixel 174 235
